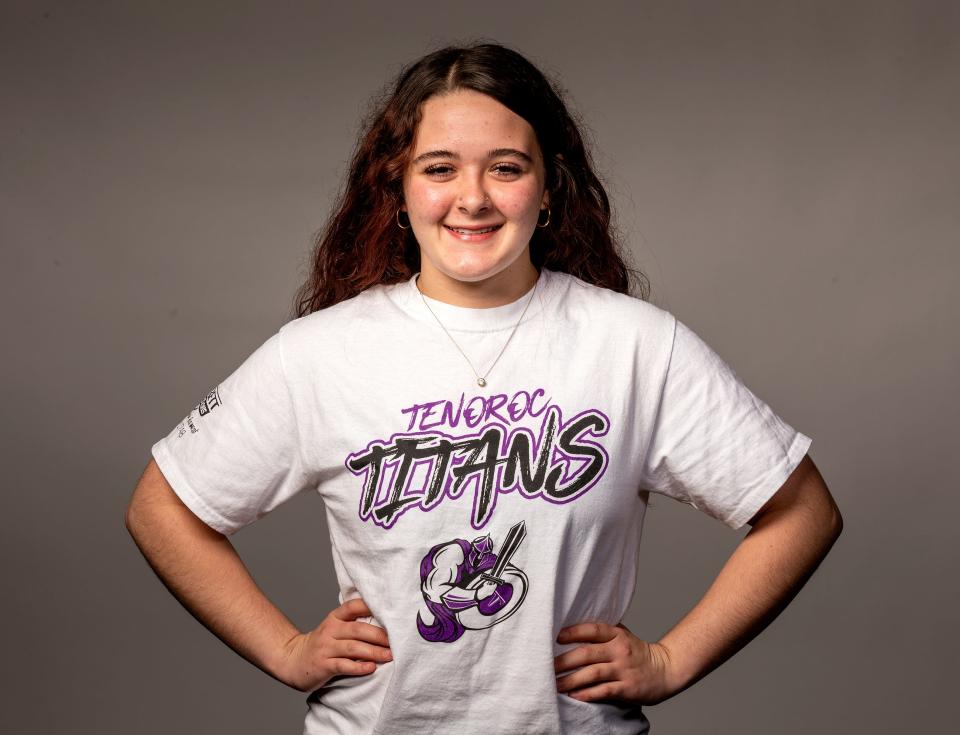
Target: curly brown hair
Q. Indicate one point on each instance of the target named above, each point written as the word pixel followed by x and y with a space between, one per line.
pixel 361 245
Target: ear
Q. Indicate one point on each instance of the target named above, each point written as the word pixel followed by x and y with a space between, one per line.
pixel 545 201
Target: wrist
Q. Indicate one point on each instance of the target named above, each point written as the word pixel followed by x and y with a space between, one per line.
pixel 285 667
pixel 679 673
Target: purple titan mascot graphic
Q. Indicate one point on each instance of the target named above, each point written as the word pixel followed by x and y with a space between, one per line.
pixel 466 586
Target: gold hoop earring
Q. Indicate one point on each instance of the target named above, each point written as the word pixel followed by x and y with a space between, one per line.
pixel 399 224
pixel 548 218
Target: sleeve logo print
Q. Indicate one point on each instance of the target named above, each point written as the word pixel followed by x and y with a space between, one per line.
pixel 210 402
pixel 421 467
pixel 466 586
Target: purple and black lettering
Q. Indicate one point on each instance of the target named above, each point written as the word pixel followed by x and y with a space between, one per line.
pixel 558 464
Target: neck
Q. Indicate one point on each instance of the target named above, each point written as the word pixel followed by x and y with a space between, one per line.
pixel 502 288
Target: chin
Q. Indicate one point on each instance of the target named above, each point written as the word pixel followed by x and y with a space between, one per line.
pixel 480 266
pixel 469 277
pixel 474 272
pixel 503 258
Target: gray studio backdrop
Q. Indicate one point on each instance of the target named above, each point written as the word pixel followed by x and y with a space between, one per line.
pixel 785 173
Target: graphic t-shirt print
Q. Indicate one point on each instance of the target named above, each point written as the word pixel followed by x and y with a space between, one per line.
pixel 474 450
pixel 465 586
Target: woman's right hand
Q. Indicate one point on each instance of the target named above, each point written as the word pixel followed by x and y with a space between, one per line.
pixel 329 650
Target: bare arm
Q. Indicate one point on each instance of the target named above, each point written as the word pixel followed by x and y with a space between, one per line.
pixel 203 571
pixel 791 535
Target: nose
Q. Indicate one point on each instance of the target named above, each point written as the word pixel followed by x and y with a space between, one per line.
pixel 473 199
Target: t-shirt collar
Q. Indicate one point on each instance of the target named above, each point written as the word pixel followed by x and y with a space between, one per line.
pixel 469 319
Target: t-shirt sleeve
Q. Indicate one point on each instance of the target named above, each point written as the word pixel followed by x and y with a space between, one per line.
pixel 237 455
pixel 715 445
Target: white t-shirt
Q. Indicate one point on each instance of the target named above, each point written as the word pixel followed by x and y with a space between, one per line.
pixel 476 522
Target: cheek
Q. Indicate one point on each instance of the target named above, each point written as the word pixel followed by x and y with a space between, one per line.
pixel 519 202
pixel 427 203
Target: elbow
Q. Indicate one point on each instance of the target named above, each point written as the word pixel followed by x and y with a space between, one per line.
pixel 129 513
pixel 829 527
pixel 132 516
pixel 147 498
pixel 836 523
pixel 140 513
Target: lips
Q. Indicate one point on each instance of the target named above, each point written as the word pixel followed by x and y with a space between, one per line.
pixel 472 234
pixel 473 230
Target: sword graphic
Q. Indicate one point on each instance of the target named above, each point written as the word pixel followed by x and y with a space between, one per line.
pixel 509 547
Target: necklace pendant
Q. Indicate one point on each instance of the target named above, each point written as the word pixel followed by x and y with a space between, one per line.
pixel 482 382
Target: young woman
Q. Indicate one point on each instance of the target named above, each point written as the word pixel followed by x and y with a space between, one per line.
pixel 484 409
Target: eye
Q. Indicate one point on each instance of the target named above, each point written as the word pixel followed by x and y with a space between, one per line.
pixel 438 169
pixel 443 169
pixel 508 168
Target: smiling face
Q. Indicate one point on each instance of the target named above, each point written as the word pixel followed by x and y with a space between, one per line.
pixel 475 165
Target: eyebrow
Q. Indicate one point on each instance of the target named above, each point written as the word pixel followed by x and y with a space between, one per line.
pixel 495 153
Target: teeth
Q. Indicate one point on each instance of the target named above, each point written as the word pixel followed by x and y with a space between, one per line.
pixel 473 232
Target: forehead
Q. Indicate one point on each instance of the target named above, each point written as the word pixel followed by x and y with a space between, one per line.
pixel 468 122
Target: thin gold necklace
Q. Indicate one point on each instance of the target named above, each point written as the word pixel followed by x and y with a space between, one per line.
pixel 481 379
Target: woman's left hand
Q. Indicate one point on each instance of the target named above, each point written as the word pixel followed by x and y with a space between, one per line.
pixel 616 665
